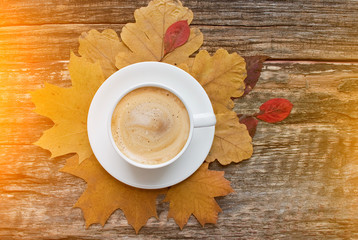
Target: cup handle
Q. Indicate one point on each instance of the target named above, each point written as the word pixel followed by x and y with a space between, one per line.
pixel 204 120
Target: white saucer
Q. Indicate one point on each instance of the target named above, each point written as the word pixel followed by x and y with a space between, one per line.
pixel 101 108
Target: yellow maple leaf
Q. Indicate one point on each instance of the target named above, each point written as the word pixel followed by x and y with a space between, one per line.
pixel 105 194
pixel 196 195
pixel 68 108
pixel 222 76
pixel 102 47
pixel 143 40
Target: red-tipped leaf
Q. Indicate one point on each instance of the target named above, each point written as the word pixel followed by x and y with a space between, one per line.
pixel 176 35
pixel 275 110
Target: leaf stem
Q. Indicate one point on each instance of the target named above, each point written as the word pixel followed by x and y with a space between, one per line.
pixel 243 116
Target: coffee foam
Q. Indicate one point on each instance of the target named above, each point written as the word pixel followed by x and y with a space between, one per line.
pixel 150 125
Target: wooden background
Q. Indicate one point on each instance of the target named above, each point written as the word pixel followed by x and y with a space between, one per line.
pixel 302 180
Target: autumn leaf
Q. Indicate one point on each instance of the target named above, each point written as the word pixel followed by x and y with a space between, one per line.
pixel 250 122
pixel 102 47
pixel 161 32
pixel 196 196
pixel 144 39
pixel 232 142
pixel 104 194
pixel 68 108
pixel 222 76
pixel 253 67
pixel 176 35
pixel 275 110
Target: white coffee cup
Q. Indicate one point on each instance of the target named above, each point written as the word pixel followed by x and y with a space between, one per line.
pixel 200 120
pixel 116 86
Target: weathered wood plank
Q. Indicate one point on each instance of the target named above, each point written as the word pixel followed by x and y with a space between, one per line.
pixel 36 43
pixel 281 29
pixel 331 13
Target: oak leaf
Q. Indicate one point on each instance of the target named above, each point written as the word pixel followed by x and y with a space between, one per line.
pixel 222 76
pixel 196 195
pixel 144 39
pixel 232 142
pixel 105 194
pixel 68 108
pixel 102 47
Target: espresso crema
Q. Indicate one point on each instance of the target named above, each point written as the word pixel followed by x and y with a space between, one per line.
pixel 150 125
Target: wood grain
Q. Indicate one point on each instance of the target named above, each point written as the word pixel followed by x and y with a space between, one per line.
pixel 281 29
pixel 301 182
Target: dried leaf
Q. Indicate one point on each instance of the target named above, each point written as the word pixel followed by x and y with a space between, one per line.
pixel 222 76
pixel 104 195
pixel 176 35
pixel 196 195
pixel 253 67
pixel 250 123
pixel 68 108
pixel 275 110
pixel 144 39
pixel 102 47
pixel 232 142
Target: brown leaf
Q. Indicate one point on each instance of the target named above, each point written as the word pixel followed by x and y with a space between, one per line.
pixel 250 123
pixel 222 76
pixel 196 195
pixel 102 47
pixel 68 108
pixel 253 67
pixel 176 35
pixel 144 39
pixel 105 194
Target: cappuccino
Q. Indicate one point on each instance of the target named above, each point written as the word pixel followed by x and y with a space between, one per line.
pixel 150 125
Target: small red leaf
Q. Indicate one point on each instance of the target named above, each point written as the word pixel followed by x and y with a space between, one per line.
pixel 275 110
pixel 253 68
pixel 250 122
pixel 176 35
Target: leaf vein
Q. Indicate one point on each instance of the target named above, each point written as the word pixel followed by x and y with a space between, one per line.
pixel 237 146
pixel 145 45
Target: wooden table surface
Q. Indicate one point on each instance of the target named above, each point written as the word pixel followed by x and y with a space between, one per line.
pixel 300 183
